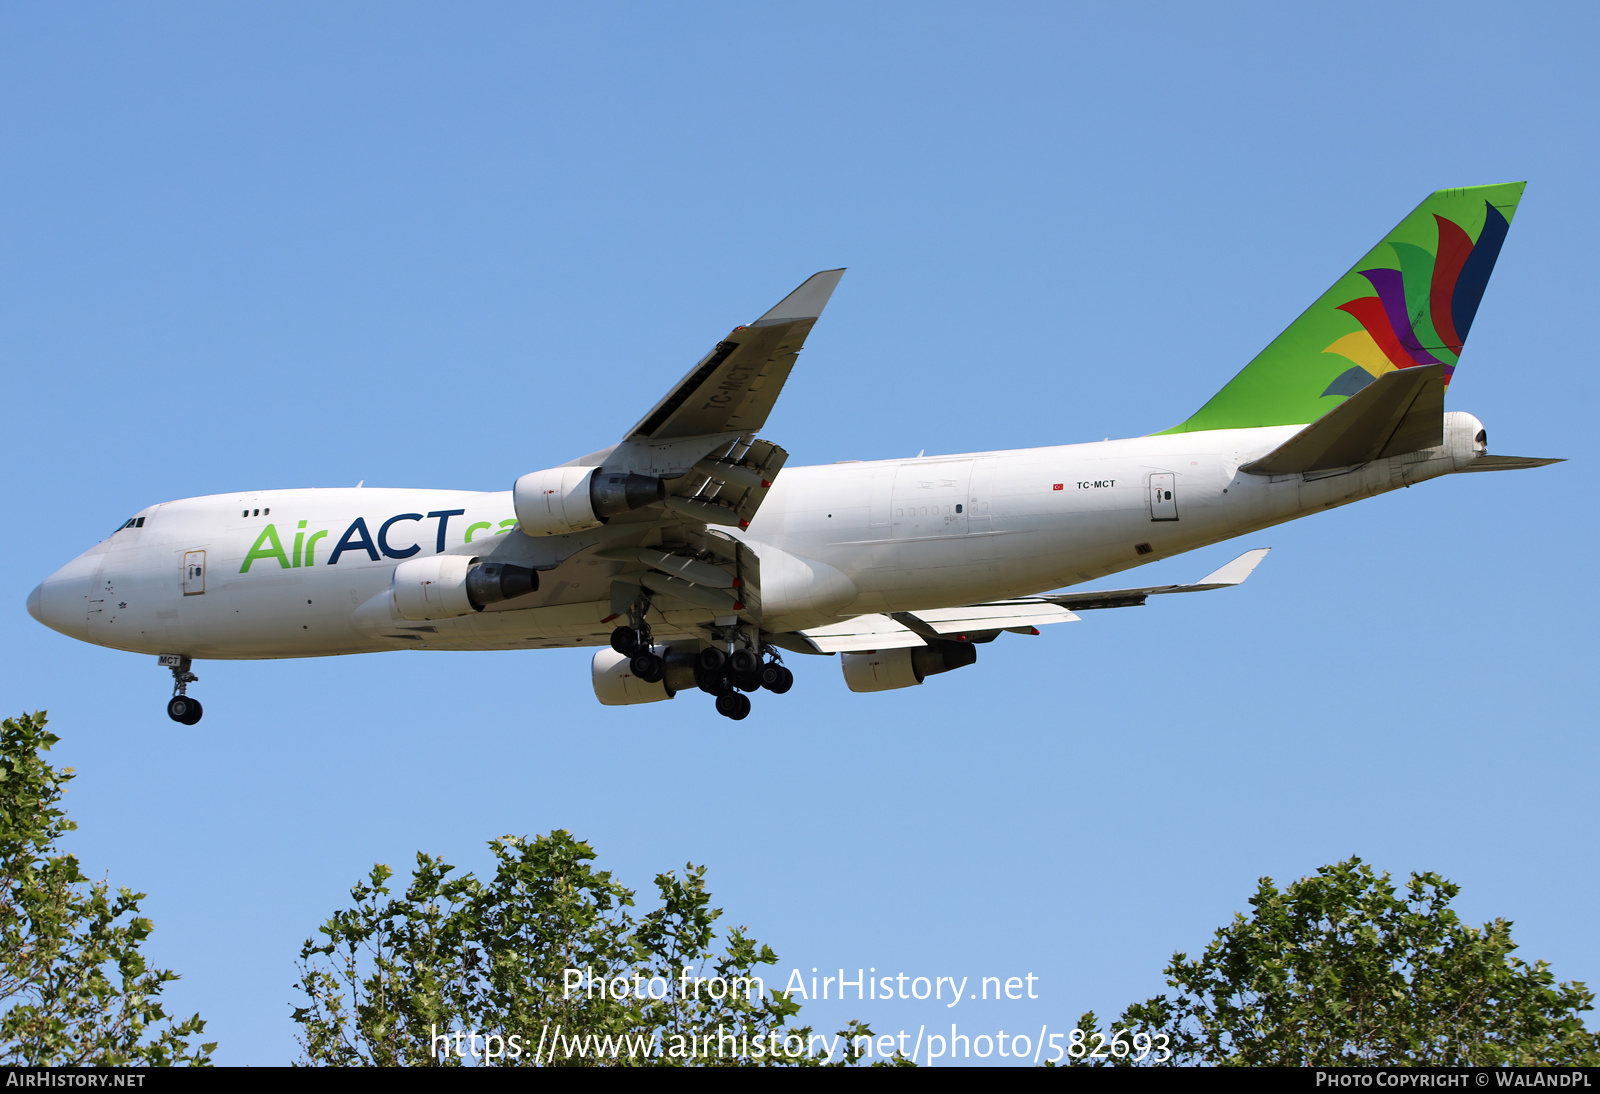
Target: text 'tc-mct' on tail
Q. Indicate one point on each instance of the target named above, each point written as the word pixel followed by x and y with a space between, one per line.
pixel 1409 302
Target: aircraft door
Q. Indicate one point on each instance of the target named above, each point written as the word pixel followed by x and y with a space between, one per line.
pixel 194 573
pixel 1163 497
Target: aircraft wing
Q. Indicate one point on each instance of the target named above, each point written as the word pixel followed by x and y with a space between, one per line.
pixel 1232 574
pixel 702 436
pixel 734 387
pixel 701 441
pixel 983 622
pixel 975 622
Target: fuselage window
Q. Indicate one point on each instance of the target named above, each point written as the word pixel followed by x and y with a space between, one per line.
pixel 958 508
pixel 246 513
pixel 266 512
pixel 258 512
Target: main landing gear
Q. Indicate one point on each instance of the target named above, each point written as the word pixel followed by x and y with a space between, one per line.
pixel 728 676
pixel 181 708
pixel 635 644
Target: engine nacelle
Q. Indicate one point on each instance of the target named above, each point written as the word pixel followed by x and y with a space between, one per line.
pixel 615 685
pixel 572 499
pixel 445 586
pixel 885 670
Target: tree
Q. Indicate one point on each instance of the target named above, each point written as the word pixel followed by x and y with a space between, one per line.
pixel 544 964
pixel 1342 969
pixel 75 988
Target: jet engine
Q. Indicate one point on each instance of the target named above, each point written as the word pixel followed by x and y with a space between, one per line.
pixel 443 586
pixel 616 684
pixel 572 499
pixel 885 670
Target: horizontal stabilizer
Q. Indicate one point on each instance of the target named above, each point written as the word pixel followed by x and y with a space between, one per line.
pixel 1509 463
pixel 1400 411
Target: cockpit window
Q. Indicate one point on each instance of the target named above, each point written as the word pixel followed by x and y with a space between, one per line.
pixel 132 522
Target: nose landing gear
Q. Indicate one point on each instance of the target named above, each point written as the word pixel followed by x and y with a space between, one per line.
pixel 181 708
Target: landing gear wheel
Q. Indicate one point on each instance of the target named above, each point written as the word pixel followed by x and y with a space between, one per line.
pixel 733 705
pixel 647 667
pixel 711 660
pixel 183 709
pixel 776 679
pixel 625 640
pixel 743 663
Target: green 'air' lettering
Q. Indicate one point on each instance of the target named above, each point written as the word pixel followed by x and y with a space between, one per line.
pixel 266 546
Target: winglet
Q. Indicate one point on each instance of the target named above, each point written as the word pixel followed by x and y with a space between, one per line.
pixel 1233 573
pixel 807 301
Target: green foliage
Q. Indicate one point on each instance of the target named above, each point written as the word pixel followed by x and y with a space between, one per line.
pixel 75 988
pixel 1342 968
pixel 453 954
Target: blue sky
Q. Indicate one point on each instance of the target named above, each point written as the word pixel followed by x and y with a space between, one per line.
pixel 257 246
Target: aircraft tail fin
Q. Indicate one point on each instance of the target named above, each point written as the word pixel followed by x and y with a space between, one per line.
pixel 1407 304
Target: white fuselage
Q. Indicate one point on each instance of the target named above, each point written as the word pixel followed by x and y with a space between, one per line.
pixel 205 578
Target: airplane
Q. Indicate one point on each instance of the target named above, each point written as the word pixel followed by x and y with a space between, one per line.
pixel 694 558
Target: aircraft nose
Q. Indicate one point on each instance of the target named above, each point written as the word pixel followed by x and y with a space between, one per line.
pixel 57 601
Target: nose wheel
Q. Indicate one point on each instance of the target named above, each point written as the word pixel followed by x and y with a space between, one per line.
pixel 181 708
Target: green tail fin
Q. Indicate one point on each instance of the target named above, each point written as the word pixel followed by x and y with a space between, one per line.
pixel 1409 302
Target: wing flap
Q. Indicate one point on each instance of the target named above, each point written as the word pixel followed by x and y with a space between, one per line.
pixel 735 479
pixel 1000 616
pixel 864 632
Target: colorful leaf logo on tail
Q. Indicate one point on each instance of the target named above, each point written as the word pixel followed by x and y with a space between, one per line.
pixel 1423 309
pixel 1409 301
